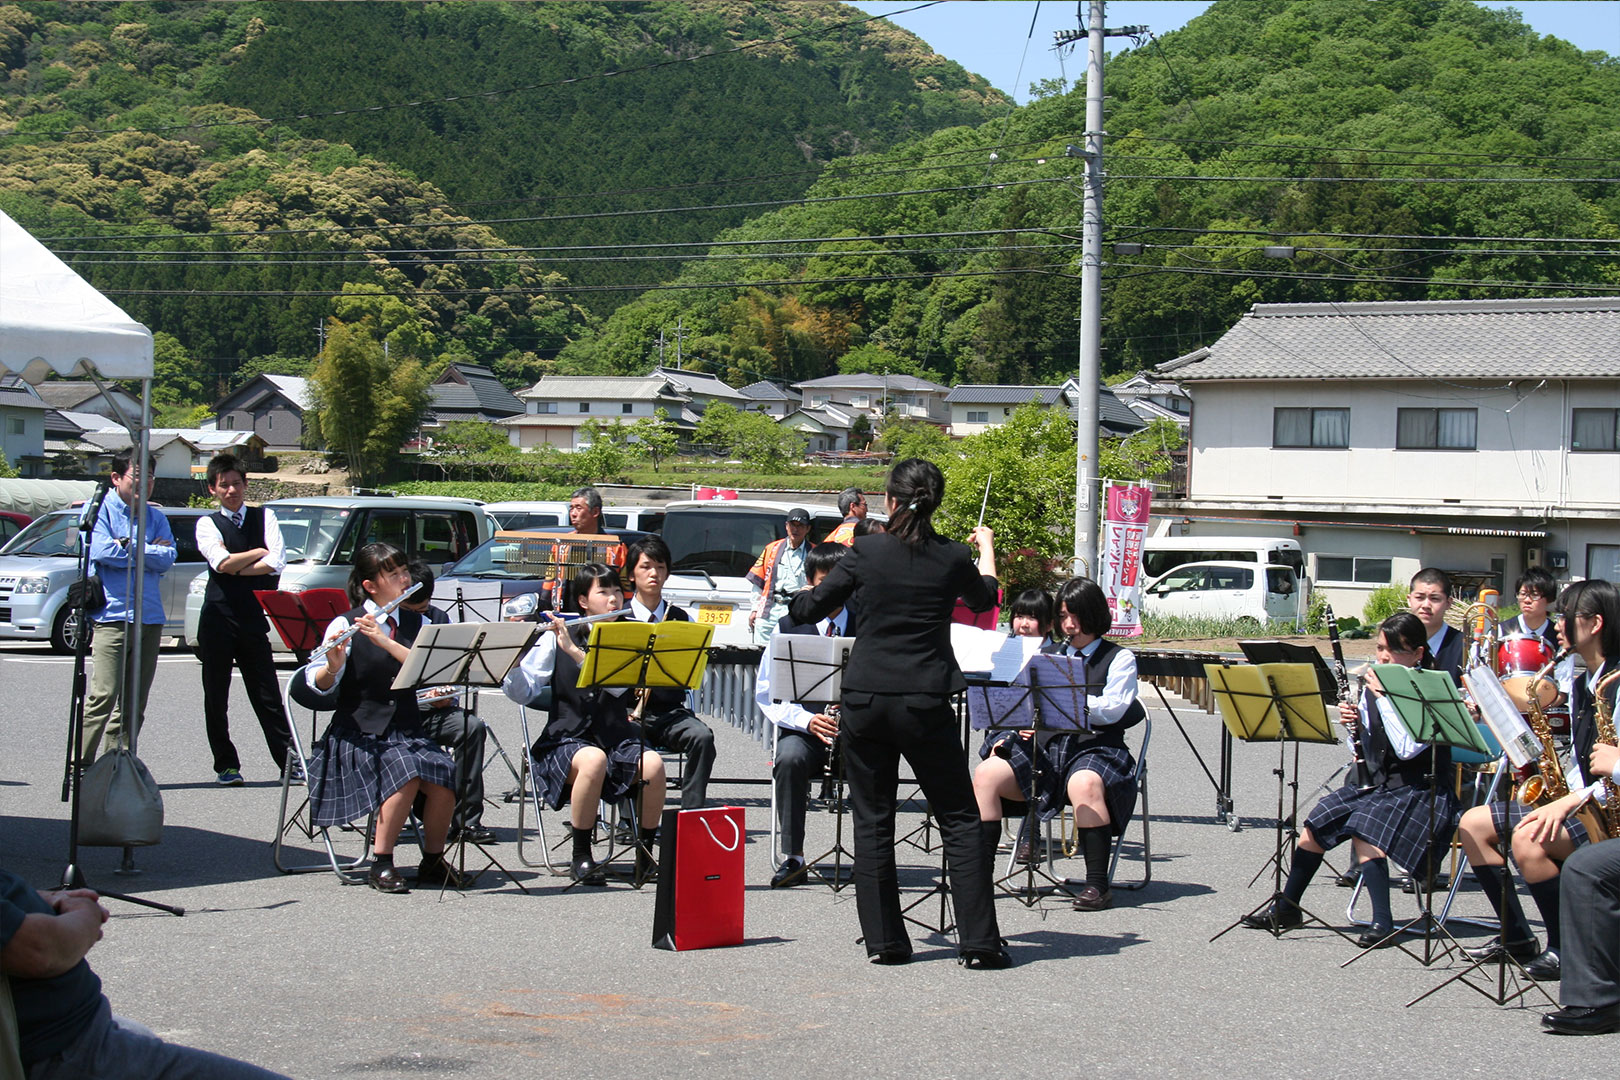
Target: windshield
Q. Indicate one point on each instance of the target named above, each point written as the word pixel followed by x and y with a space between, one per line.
pixel 502 557
pixel 53 534
pixel 728 542
pixel 311 533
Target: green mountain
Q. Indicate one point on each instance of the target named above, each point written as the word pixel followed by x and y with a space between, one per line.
pixel 1369 136
pixel 225 168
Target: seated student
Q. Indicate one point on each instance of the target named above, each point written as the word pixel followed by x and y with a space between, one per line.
pixel 375 756
pixel 590 749
pixel 1031 614
pixel 1092 770
pixel 1545 836
pixel 803 739
pixel 448 724
pixel 65 1026
pixel 667 722
pixel 1391 817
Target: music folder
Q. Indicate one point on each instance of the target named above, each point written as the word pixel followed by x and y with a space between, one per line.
pixel 808 669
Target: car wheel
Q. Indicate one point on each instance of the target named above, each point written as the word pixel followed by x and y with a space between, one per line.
pixel 65 630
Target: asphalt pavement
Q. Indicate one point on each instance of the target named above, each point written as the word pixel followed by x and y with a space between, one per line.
pixel 316 979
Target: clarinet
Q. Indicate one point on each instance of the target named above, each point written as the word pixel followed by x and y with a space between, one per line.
pixel 835 750
pixel 1358 764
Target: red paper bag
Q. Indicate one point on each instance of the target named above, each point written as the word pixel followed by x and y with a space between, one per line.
pixel 700 879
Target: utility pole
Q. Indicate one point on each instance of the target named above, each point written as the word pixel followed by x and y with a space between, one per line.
pixel 320 337
pixel 1087 479
pixel 660 346
pixel 680 335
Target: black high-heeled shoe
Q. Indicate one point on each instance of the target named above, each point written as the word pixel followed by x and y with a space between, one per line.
pixel 997 959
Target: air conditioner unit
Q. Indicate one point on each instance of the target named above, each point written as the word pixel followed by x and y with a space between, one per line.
pixel 1535 557
pixel 1557 561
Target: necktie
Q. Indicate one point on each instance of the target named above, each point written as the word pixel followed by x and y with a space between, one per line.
pixel 236 519
pixel 832 628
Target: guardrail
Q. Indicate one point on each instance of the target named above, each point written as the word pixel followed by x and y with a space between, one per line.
pixel 727 691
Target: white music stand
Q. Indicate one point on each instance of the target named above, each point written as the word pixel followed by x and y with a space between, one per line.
pixel 469 601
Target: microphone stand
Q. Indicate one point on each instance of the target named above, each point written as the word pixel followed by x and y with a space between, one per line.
pixel 72 873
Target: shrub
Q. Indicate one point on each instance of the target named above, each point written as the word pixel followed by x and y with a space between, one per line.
pixel 1385 601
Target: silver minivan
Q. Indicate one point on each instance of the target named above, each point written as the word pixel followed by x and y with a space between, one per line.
pixel 322 534
pixel 39 563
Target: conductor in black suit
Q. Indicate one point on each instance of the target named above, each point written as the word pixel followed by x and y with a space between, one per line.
pixel 897 691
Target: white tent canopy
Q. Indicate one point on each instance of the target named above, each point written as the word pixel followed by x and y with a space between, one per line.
pixel 51 319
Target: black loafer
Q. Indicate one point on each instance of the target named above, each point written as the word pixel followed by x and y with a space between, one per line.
pixel 985 959
pixel 436 871
pixel 386 879
pixel 1583 1020
pixel 889 958
pixel 1376 937
pixel 1489 953
pixel 1092 898
pixel 476 834
pixel 1278 916
pixel 1544 968
pixel 587 871
pixel 791 873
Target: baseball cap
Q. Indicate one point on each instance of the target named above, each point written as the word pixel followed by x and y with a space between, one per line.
pixel 799 515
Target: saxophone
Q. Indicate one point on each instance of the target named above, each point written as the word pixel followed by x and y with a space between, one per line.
pixel 1603 713
pixel 1548 783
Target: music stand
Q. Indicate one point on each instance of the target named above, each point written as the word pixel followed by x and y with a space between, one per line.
pixel 1428 706
pixel 1047 697
pixel 645 656
pixel 812 669
pixel 1279 703
pixel 466 655
pixel 469 601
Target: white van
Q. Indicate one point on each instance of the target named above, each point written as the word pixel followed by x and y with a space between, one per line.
pixel 1162 554
pixel 712 546
pixel 1267 594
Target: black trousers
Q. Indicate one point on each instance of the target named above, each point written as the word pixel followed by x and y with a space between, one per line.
pixel 465 735
pixel 1589 909
pixel 798 756
pixel 880 729
pixel 224 641
pixel 680 731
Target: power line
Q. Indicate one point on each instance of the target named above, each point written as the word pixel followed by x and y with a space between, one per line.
pixel 1373 179
pixel 1572 286
pixel 260 121
pixel 1352 149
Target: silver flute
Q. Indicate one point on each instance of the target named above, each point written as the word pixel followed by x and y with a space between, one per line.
pixel 382 612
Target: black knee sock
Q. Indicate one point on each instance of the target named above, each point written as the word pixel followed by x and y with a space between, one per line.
pixel 1094 844
pixel 1375 877
pixel 647 836
pixel 1300 871
pixel 1491 879
pixel 1545 894
pixel 582 842
pixel 381 861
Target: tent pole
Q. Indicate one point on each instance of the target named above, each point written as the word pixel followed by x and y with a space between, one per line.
pixel 134 633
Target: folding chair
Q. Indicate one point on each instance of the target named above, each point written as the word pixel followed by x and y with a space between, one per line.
pixel 1461 759
pixel 610 819
pixel 299 820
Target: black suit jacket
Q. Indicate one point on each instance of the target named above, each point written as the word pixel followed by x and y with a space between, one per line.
pixel 905 594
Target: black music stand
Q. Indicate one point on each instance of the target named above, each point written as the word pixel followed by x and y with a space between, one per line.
pixel 645 656
pixel 1045 699
pixel 1278 703
pixel 466 655
pixel 1433 713
pixel 813 672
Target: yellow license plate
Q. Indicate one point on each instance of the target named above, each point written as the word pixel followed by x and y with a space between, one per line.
pixel 714 614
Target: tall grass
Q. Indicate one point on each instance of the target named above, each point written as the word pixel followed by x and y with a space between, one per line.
pixel 1178 627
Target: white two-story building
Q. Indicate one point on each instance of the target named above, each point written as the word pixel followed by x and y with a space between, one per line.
pixel 1479 436
pixel 558 406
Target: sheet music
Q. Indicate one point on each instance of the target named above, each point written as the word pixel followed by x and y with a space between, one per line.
pixel 991 654
pixel 1501 715
pixel 441 651
pixel 1058 686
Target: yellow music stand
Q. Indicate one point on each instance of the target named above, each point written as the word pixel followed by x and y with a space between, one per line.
pixel 664 656
pixel 1280 703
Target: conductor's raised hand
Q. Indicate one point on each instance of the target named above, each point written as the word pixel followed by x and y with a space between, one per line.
pixel 983 538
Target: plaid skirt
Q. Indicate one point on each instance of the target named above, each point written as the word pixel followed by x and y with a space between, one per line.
pixel 1061 758
pixel 552 761
pixel 1505 817
pixel 352 773
pixel 1394 820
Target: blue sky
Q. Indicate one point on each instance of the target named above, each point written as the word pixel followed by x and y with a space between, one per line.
pixel 993 38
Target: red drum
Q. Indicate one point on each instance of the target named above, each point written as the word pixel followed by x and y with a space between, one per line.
pixel 1558 721
pixel 1518 658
